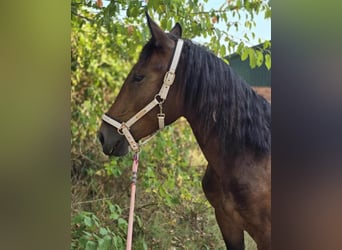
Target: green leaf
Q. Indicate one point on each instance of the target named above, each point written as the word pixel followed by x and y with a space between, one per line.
pixel 138 221
pixel 135 11
pixel 267 44
pixel 169 24
pixel 88 222
pixel 223 50
pixel 100 244
pixel 103 231
pixel 260 58
pixel 248 24
pixel 240 47
pixel 91 245
pixel 268 61
pixel 244 54
pixel 117 242
pixel 268 13
pixel 224 16
pixel 107 239
pixel 252 58
pixel 145 246
pixel 155 4
pixel 105 243
pixel 163 23
pixel 122 222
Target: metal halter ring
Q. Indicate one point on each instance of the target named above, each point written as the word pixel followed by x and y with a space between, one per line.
pixel 121 127
pixel 120 131
pixel 159 99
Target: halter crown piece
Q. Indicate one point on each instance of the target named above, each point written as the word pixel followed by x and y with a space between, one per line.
pixel 123 128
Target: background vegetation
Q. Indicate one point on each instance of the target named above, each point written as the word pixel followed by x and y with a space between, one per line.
pixel 171 211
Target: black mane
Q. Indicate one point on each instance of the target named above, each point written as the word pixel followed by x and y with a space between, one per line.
pixel 224 102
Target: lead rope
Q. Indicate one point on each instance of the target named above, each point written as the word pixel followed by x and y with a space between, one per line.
pixel 132 202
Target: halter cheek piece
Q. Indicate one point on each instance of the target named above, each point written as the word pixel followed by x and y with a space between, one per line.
pixel 123 128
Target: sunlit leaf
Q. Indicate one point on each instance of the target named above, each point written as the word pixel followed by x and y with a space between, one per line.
pixel 252 58
pixel 268 61
pixel 244 54
pixel 260 58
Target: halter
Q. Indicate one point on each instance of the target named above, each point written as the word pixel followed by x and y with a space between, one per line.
pixel 124 127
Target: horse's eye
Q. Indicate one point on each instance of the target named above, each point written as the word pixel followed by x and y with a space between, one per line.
pixel 138 78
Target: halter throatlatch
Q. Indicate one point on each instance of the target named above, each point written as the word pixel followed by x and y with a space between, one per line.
pixel 123 128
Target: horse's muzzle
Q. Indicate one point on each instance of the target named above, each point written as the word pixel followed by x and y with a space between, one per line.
pixel 112 142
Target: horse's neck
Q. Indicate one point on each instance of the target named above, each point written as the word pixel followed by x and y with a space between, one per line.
pixel 221 162
pixel 208 141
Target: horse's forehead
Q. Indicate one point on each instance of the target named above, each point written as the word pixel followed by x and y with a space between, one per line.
pixel 156 59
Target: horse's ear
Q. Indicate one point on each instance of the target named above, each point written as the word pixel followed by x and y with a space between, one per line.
pixel 177 30
pixel 159 37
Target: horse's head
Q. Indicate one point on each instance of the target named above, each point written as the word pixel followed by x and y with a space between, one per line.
pixel 140 88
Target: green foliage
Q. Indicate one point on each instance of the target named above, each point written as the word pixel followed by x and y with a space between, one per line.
pixel 171 208
pixel 89 233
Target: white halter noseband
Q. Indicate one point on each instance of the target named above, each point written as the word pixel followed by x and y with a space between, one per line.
pixel 123 128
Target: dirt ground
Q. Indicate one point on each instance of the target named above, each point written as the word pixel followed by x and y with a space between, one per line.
pixel 264 91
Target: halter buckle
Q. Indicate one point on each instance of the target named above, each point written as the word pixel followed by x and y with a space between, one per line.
pixel 169 78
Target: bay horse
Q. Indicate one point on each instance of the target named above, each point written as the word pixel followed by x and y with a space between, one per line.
pixel 229 120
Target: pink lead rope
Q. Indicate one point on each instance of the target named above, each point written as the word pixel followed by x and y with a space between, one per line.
pixel 131 206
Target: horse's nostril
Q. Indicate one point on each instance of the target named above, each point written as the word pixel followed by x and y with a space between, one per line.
pixel 101 137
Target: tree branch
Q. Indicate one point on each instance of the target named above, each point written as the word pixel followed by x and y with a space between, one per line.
pixel 83 17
